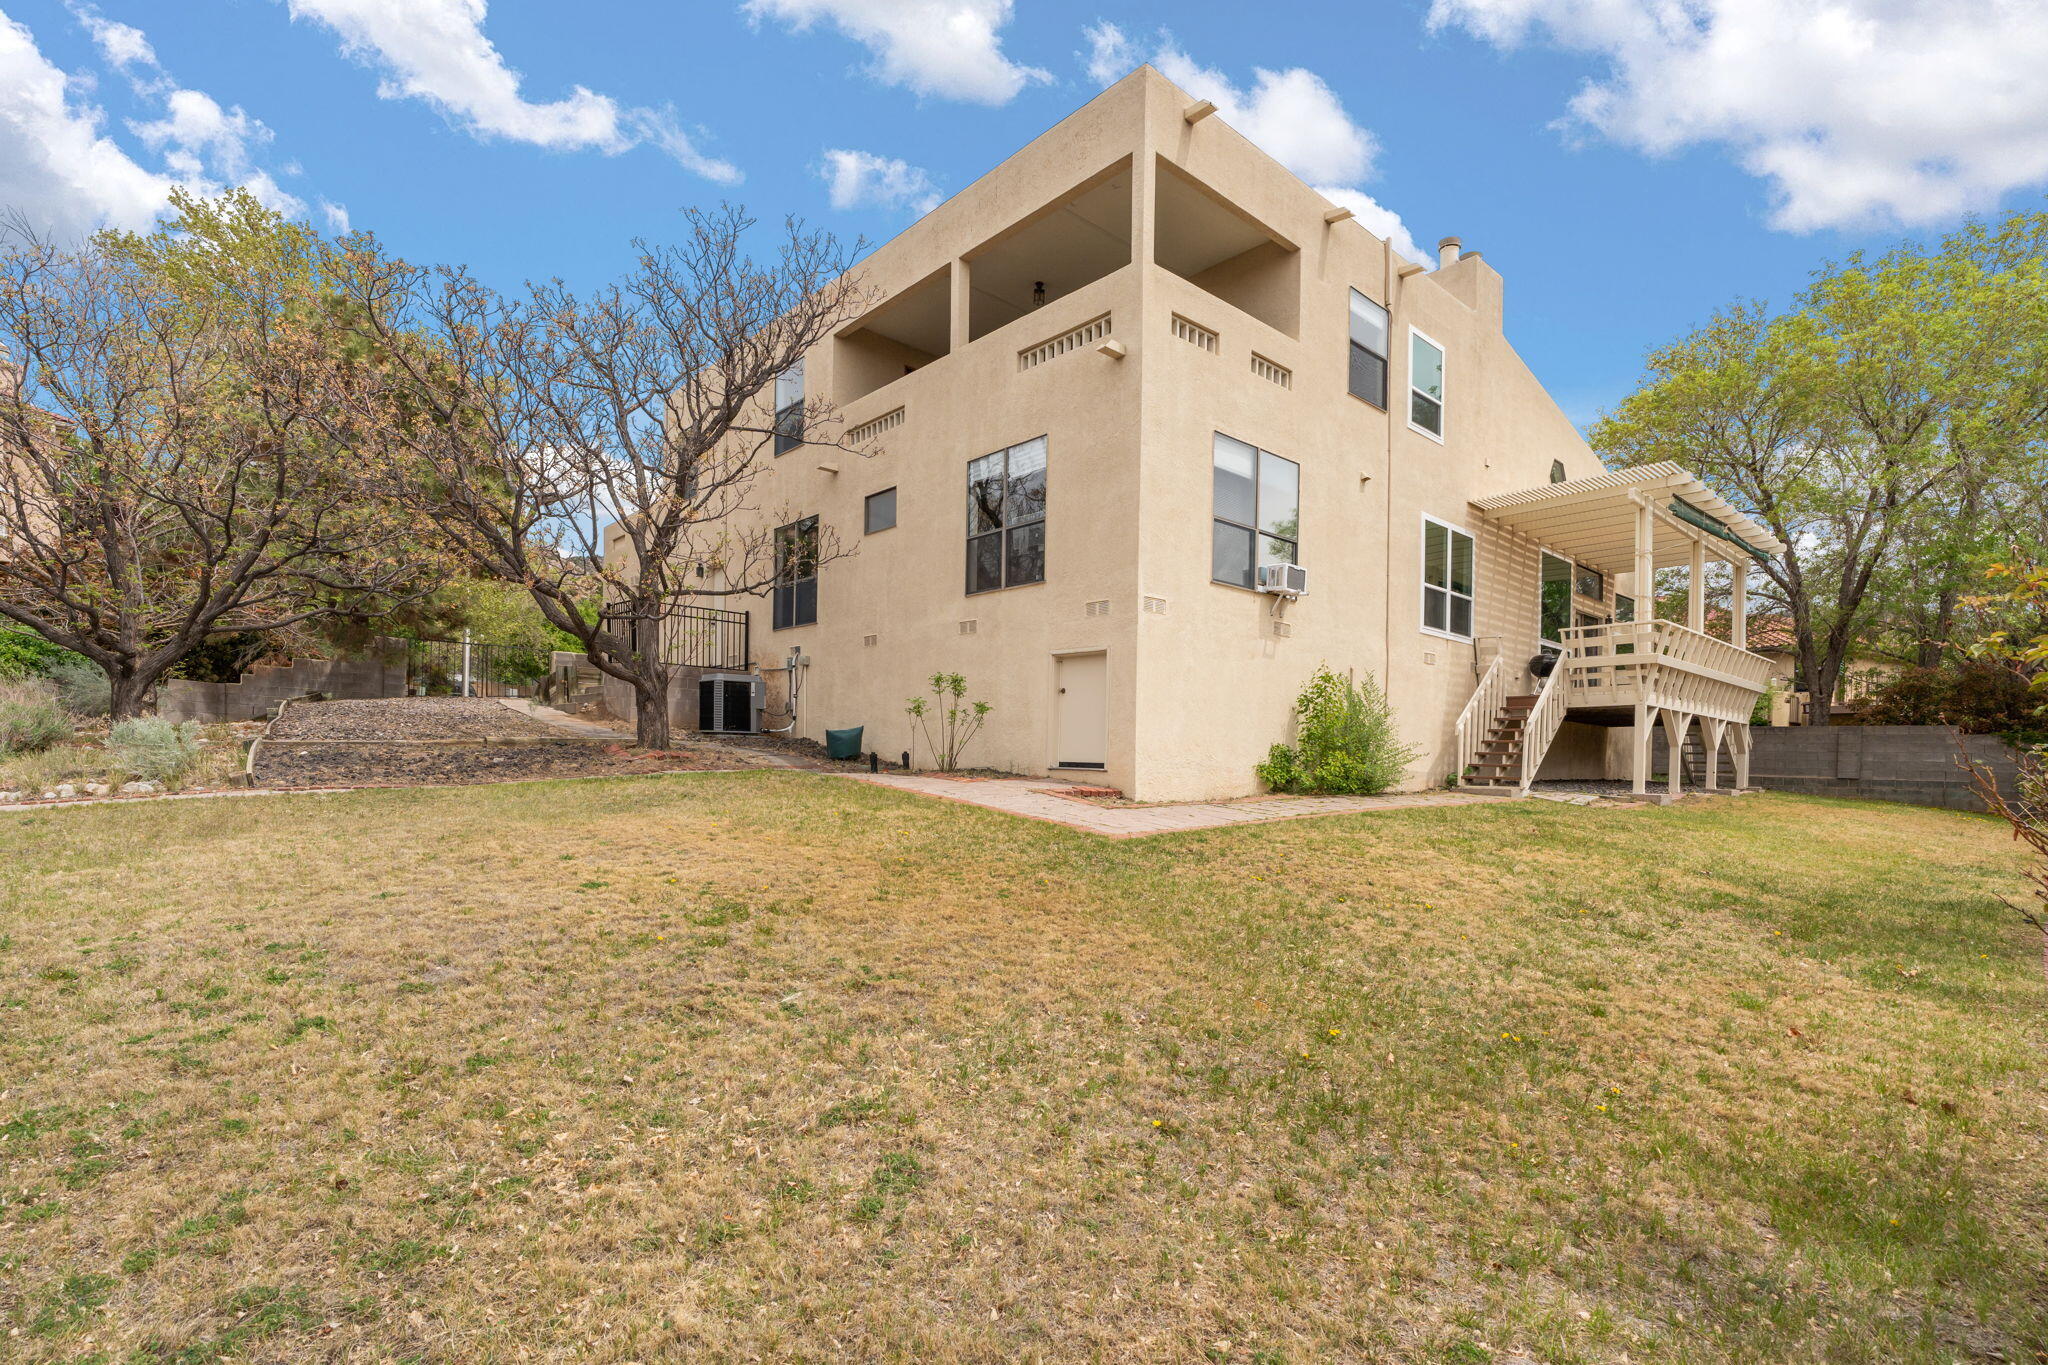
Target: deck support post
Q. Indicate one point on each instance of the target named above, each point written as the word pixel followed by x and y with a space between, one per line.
pixel 1738 606
pixel 1639 748
pixel 1738 741
pixel 1696 588
pixel 1646 566
pixel 1711 733
pixel 1676 723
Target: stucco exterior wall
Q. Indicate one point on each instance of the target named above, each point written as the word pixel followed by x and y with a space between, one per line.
pixel 1201 676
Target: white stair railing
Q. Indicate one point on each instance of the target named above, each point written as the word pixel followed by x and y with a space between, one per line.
pixel 1476 721
pixel 1541 726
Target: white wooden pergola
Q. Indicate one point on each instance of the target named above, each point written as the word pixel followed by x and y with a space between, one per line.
pixel 1638 521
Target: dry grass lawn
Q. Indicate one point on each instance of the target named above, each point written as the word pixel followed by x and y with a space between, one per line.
pixel 778 1067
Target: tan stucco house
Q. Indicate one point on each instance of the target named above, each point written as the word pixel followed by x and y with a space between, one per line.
pixel 1153 430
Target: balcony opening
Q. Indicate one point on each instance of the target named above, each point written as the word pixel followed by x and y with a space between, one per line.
pixel 1215 246
pixel 1077 239
pixel 908 332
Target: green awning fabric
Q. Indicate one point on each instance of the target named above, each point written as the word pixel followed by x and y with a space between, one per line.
pixel 1685 511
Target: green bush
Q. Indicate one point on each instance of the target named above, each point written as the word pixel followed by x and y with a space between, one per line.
pixel 30 718
pixel 1345 741
pixel 1977 698
pixel 82 686
pixel 154 749
pixel 24 654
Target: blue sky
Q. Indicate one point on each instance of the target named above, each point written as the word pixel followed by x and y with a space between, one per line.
pixel 1628 165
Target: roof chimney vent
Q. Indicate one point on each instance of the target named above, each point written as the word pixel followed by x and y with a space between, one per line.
pixel 1447 252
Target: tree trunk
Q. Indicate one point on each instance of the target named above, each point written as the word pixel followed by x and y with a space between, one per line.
pixel 126 693
pixel 650 706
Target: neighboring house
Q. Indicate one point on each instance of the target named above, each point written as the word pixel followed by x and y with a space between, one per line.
pixel 1863 673
pixel 1117 387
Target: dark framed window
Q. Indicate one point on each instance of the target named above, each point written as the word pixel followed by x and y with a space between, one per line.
pixel 1590 583
pixel 1447 580
pixel 880 512
pixel 1624 608
pixel 1556 596
pixel 1557 471
pixel 1425 384
pixel 789 409
pixel 796 574
pixel 1369 334
pixel 1257 512
pixel 1006 518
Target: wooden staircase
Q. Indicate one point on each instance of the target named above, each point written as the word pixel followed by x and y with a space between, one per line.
pixel 1499 763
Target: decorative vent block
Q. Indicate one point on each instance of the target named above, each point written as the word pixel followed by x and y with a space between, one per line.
pixel 871 640
pixel 1087 334
pixel 1194 333
pixel 868 430
pixel 1156 605
pixel 1283 629
pixel 969 627
pixel 1267 370
pixel 1100 608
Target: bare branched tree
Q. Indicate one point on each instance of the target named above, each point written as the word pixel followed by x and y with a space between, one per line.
pixel 521 428
pixel 168 475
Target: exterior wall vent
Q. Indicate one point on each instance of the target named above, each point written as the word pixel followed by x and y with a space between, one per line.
pixel 1156 605
pixel 968 627
pixel 1087 334
pixel 1283 629
pixel 871 640
pixel 1195 334
pixel 868 430
pixel 1267 370
pixel 1100 608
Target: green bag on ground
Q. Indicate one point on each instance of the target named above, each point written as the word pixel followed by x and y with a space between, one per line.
pixel 843 743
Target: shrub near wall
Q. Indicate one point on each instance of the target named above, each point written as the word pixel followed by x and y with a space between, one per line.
pixel 1345 742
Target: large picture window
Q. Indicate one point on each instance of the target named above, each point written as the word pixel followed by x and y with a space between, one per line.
pixel 1368 350
pixel 789 409
pixel 796 574
pixel 1258 512
pixel 1447 573
pixel 1006 518
pixel 1425 384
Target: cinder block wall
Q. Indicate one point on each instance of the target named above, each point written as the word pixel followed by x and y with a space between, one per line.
pixel 1915 764
pixel 263 687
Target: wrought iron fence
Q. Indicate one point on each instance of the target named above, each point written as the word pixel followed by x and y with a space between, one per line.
pixel 472 668
pixel 706 637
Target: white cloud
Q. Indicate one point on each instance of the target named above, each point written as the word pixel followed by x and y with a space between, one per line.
pixel 1857 112
pixel 864 180
pixel 1380 221
pixel 1111 55
pixel 949 48
pixel 336 216
pixel 436 51
pixel 122 45
pixel 1292 115
pixel 57 169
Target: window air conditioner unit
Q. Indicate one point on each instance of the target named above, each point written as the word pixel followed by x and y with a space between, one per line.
pixel 1288 580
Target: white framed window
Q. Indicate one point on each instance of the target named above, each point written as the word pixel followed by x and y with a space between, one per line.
pixel 1554 601
pixel 1425 384
pixel 1448 586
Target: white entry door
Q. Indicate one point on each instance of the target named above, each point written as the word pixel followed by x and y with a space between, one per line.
pixel 1080 713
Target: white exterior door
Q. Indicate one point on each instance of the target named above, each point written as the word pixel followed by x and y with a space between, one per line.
pixel 1080 713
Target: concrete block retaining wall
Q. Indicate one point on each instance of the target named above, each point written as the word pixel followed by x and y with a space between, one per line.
pixel 263 687
pixel 1915 764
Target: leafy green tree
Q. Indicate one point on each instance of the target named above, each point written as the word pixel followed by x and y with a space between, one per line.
pixel 1880 428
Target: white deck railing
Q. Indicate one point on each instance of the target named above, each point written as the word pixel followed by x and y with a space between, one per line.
pixel 1476 721
pixel 1662 664
pixel 1541 726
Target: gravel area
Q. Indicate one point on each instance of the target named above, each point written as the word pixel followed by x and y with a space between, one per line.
pixel 376 744
pixel 1625 790
pixel 407 718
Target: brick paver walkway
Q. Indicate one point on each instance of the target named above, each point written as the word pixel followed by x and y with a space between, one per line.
pixel 1038 800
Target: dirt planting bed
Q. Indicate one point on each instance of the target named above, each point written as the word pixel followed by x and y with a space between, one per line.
pixel 443 741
